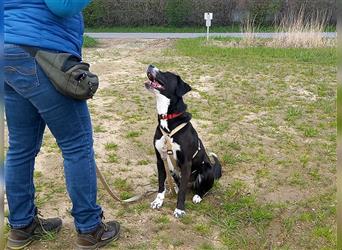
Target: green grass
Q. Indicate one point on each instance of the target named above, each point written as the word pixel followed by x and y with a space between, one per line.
pixel 121 184
pixel 113 157
pixel 230 159
pixel 99 129
pixel 236 211
pixel 143 162
pixel 206 246
pixel 197 48
pixel 310 132
pixel 162 219
pixel 89 42
pixel 133 134
pixel 202 228
pixel 111 146
pixel 293 113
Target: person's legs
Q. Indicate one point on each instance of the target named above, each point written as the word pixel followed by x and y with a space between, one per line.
pixel 25 128
pixel 69 121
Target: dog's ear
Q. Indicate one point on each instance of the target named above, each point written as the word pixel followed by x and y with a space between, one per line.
pixel 182 87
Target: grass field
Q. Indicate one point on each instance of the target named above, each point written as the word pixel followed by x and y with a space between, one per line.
pixel 269 114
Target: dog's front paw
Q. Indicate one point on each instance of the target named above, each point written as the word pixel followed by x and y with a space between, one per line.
pixel 159 200
pixel 196 199
pixel 157 203
pixel 178 213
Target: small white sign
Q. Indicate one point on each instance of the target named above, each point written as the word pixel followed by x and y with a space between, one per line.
pixel 208 16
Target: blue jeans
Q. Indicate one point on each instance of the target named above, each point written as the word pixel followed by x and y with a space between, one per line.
pixel 31 103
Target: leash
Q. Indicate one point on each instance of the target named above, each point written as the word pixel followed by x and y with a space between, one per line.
pixel 114 196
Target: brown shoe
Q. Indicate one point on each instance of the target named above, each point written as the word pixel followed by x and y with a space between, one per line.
pixel 101 236
pixel 20 238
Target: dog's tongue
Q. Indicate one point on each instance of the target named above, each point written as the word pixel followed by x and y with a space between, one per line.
pixel 155 84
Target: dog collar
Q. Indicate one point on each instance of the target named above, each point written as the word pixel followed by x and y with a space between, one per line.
pixel 169 116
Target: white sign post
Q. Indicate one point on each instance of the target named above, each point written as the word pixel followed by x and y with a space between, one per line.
pixel 208 17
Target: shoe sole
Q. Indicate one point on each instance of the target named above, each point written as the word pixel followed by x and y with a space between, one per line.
pixel 99 244
pixel 18 245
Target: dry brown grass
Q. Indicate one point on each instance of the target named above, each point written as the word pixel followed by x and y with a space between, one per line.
pixel 299 31
pixel 295 30
pixel 248 29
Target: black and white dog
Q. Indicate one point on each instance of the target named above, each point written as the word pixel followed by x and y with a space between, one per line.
pixel 194 166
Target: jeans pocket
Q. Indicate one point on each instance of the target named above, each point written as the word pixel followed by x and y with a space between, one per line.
pixel 20 69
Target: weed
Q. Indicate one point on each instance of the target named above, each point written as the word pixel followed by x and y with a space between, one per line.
pixel 310 132
pixel 314 173
pixel 121 184
pixel 231 159
pixel 293 113
pixel 234 145
pixel 296 179
pixel 163 219
pixel 263 172
pixel 111 146
pixel 133 134
pixel 202 229
pixel 113 158
pixel 99 129
pixel 304 159
pixel 143 162
pixel 206 246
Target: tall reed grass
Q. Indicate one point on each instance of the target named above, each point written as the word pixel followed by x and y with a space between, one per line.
pixel 294 30
pixel 298 30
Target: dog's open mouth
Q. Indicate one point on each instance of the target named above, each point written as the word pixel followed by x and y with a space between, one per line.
pixel 153 83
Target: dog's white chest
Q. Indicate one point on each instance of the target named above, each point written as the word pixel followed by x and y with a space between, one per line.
pixel 161 147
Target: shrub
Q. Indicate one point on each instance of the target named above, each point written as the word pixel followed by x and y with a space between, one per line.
pixel 176 12
pixel 264 11
pixel 93 14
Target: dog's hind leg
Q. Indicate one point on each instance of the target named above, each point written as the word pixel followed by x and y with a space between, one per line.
pixel 203 183
pixel 159 200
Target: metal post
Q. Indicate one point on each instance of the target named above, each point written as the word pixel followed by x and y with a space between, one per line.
pixel 207 33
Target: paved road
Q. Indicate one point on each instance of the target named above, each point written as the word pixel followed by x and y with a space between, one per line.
pixel 183 35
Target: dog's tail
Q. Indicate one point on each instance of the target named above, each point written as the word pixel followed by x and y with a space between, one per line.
pixel 217 166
